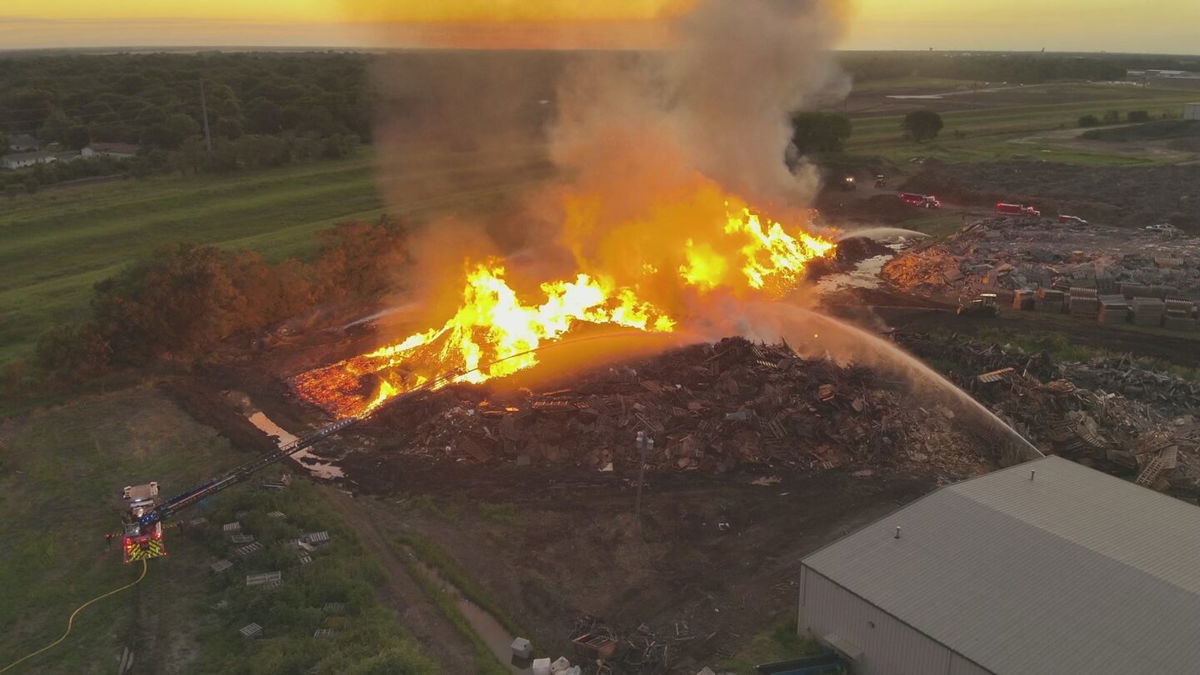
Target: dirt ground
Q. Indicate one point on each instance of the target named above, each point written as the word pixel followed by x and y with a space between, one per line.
pixel 713 562
pixel 1121 196
pixel 715 559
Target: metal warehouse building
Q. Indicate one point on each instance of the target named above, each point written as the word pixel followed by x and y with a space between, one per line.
pixel 1044 567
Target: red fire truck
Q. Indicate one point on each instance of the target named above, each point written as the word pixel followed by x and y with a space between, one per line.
pixel 1003 209
pixel 920 201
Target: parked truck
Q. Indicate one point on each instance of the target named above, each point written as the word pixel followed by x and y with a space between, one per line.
pixel 1005 209
pixel 920 201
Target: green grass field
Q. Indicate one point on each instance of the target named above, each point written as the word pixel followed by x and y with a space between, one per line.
pixel 61 473
pixel 58 243
pixel 981 135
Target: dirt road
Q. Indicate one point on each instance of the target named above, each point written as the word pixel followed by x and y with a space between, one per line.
pixel 417 614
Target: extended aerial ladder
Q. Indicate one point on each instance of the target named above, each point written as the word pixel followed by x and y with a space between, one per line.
pixel 143 529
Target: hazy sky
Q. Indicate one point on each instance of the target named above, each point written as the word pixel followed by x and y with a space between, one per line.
pixel 1164 26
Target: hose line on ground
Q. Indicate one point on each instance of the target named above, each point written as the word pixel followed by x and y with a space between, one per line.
pixel 71 619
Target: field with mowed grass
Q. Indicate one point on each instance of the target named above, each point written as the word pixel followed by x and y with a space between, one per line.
pixel 983 134
pixel 58 243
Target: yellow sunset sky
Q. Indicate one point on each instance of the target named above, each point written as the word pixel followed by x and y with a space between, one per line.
pixel 1165 26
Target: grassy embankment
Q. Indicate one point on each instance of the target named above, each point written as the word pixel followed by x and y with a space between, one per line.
pixel 985 134
pixel 61 472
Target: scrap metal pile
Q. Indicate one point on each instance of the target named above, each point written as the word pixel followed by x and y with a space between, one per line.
pixel 1150 432
pixel 707 407
pixel 998 254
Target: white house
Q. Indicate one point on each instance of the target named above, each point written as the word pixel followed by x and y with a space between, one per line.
pixel 20 160
pixel 114 150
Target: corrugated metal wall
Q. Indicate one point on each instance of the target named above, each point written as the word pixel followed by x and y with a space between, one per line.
pixel 889 646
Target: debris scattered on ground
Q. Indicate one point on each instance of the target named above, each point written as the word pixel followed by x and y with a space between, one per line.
pixel 1009 254
pixel 708 407
pixel 1108 413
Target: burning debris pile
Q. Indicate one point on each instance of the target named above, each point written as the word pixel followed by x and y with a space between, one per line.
pixel 495 331
pixel 999 254
pixel 1151 434
pixel 708 407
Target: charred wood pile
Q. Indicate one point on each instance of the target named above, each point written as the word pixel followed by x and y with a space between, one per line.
pixel 708 407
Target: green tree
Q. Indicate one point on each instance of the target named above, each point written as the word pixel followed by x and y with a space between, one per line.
pixel 77 351
pixel 1112 116
pixel 922 125
pixel 1088 121
pixel 819 132
pixel 179 127
pixel 1138 116
pixel 76 137
pixel 264 117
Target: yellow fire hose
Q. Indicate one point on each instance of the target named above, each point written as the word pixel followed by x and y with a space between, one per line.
pixel 71 619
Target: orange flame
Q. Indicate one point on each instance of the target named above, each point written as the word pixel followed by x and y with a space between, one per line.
pixel 494 333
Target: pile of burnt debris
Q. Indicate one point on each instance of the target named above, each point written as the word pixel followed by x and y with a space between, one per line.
pixel 1008 254
pixel 707 407
pixel 642 650
pixel 1109 413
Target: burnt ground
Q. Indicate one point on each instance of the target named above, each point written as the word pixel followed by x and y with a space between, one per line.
pixel 716 559
pixel 1123 196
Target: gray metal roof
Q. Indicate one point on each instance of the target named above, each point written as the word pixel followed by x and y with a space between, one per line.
pixel 1074 571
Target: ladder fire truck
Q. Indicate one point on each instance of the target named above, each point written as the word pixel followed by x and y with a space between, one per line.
pixel 143 537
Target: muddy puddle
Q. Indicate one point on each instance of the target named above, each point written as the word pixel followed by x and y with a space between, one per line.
pixel 497 638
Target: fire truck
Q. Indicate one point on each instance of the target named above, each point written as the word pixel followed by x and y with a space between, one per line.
pixel 140 543
pixel 920 201
pixel 145 513
pixel 1003 209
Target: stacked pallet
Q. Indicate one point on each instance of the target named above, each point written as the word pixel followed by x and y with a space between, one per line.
pixel 1083 302
pixel 1147 311
pixel 1179 314
pixel 1023 300
pixel 1113 309
pixel 1050 301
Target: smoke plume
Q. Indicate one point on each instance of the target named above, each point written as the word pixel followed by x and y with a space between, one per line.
pixel 603 161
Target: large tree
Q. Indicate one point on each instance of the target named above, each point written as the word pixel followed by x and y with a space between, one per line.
pixel 922 125
pixel 819 132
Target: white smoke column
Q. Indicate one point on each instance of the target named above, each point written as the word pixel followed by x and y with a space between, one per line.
pixel 743 67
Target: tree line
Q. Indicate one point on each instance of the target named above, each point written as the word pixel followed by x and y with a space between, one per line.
pixel 1026 68
pixel 282 106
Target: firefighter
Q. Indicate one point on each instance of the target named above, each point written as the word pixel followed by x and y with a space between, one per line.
pixel 108 540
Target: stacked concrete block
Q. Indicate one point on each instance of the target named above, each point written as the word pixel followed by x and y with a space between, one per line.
pixel 1147 311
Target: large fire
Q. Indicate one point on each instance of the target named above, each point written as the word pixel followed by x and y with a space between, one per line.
pixel 495 332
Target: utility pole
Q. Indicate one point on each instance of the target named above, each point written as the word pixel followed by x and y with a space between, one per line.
pixel 204 110
pixel 644 445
